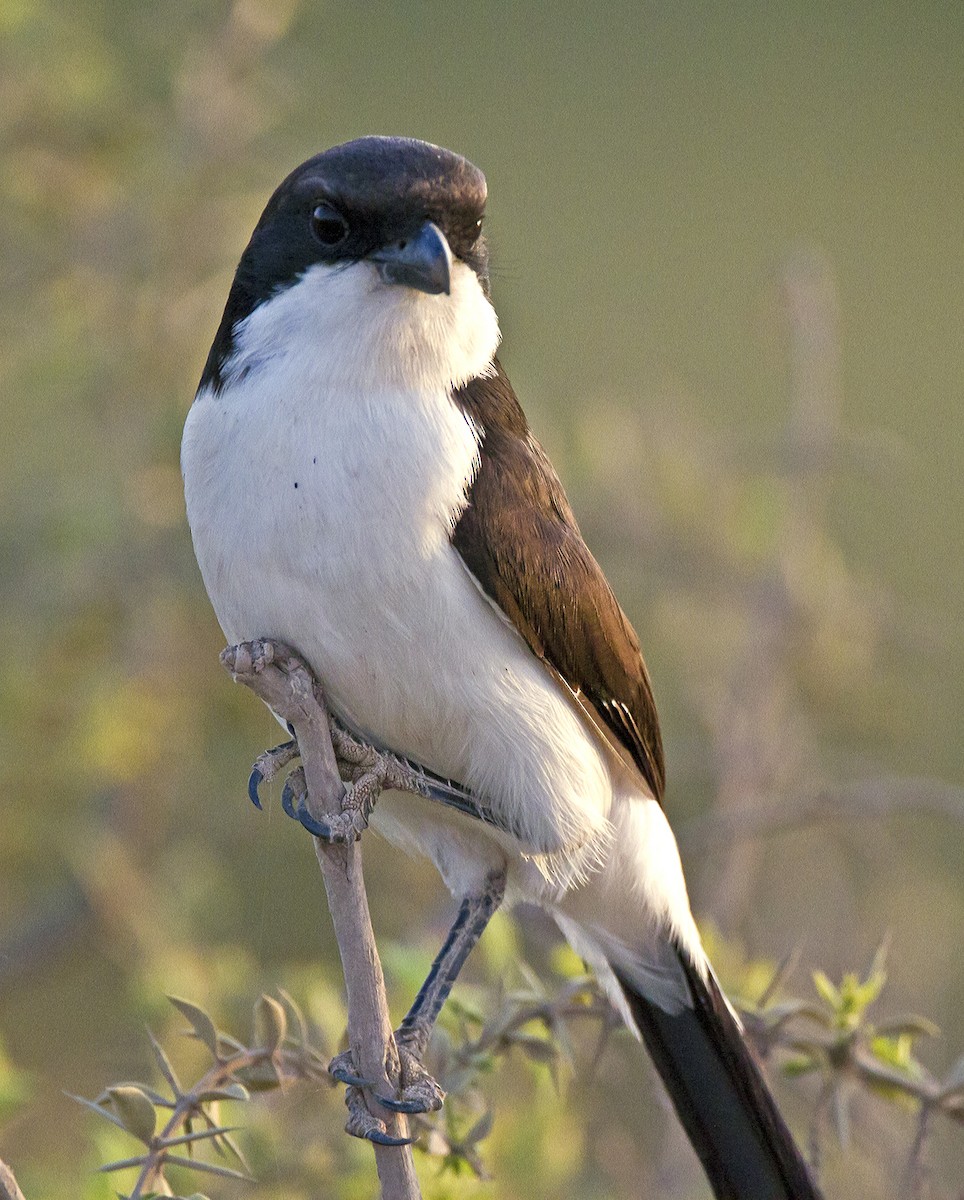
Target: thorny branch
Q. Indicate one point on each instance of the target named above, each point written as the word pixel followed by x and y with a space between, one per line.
pixel 838 1039
pixel 832 1036
pixel 275 1058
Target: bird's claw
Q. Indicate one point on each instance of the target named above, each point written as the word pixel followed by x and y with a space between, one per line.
pixel 267 765
pixel 362 1124
pixel 418 1091
pixel 342 1068
pixel 255 779
pixel 342 828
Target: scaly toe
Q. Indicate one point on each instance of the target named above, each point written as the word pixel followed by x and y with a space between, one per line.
pixel 362 1124
pixel 418 1092
pixel 342 1068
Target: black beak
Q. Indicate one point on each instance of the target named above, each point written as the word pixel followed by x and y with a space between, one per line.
pixel 423 261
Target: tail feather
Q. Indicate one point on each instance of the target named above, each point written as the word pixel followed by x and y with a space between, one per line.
pixel 721 1098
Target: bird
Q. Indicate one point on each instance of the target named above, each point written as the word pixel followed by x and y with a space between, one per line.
pixel 362 484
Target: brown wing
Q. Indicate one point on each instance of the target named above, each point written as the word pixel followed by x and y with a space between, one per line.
pixel 519 539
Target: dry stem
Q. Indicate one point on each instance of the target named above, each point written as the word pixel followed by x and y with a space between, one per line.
pixel 281 679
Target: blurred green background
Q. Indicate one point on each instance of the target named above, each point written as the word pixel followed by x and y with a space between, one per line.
pixel 728 247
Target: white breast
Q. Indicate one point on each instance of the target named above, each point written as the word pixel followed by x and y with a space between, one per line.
pixel 322 489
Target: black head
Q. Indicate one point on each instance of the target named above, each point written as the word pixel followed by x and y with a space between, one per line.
pixel 372 198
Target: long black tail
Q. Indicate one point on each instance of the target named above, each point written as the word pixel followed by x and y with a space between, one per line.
pixel 724 1104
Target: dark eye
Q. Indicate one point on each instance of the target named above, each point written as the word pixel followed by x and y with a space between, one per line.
pixel 329 226
pixel 474 231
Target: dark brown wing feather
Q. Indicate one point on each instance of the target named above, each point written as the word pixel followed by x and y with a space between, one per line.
pixel 519 539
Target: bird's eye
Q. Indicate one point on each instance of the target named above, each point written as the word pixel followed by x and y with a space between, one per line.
pixel 329 226
pixel 475 230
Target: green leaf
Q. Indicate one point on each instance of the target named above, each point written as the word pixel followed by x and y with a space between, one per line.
pixel 878 964
pixel 149 1092
pixel 911 1026
pixel 896 1052
pixel 799 1064
pixel 202 1024
pixel 230 1091
pixel 295 1012
pixel 270 1023
pixel 860 995
pixel 827 991
pixel 135 1110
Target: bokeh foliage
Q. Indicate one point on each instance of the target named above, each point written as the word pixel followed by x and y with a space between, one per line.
pixel 729 251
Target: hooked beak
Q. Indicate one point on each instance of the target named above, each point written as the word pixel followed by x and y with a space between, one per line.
pixel 423 262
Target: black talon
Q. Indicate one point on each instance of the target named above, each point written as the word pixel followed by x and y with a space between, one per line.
pixel 288 799
pixel 313 825
pixel 255 780
pixel 386 1139
pixel 320 829
pixel 342 1075
pixel 401 1106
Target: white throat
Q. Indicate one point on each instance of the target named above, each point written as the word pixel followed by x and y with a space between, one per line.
pixel 347 327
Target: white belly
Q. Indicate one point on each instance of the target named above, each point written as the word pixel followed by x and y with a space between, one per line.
pixel 322 485
pixel 354 568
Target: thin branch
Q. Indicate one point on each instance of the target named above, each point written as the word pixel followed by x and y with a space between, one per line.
pixel 915 1175
pixel 281 679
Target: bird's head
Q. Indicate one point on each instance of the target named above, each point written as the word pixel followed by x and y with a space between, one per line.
pixel 370 260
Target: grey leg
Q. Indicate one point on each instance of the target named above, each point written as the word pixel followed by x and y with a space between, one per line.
pixel 418 1091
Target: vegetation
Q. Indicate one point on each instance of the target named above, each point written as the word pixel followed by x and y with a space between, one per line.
pixel 761 444
pixel 831 1035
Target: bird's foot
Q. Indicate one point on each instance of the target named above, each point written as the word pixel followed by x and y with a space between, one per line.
pixel 361 1121
pixel 267 766
pixel 362 1124
pixel 342 1069
pixel 342 827
pixel 418 1091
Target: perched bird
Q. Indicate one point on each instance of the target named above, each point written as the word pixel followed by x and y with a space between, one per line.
pixel 362 484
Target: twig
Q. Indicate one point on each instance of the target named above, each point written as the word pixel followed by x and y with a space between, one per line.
pixel 281 679
pixel 9 1189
